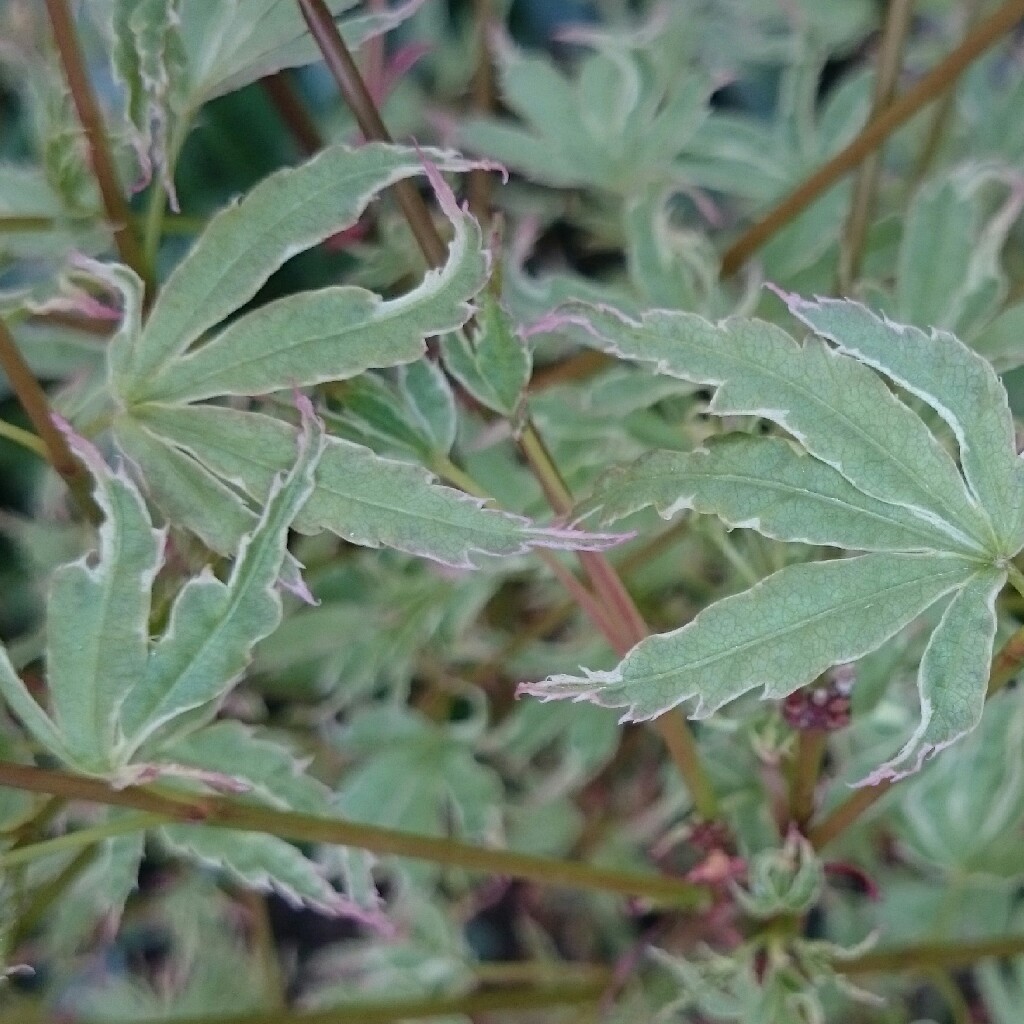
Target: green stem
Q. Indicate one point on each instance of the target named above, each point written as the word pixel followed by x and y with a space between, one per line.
pixel 24 438
pixel 989 32
pixel 383 1012
pixel 1016 578
pixel 33 400
pixel 223 812
pixel 88 110
pixel 933 955
pixel 125 825
pixel 152 229
pixel 810 752
pixel 890 60
pixel 630 628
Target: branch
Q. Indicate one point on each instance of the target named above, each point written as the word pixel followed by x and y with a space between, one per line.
pixel 928 89
pixel 222 812
pixel 296 118
pixel 932 955
pixel 128 246
pixel 380 1012
pixel 865 188
pixel 33 400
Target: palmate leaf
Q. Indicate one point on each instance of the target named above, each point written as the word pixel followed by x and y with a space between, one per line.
pixel 188 454
pixel 128 709
pixel 367 499
pixel 872 478
pixel 117 697
pixel 286 213
pixel 780 634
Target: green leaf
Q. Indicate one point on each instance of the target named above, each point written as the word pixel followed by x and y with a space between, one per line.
pixel 431 404
pixel 362 497
pixel 30 714
pixel 840 411
pixel 213 625
pixel 940 817
pixel 187 493
pixel 620 125
pixel 777 636
pixel 286 213
pixel 953 676
pixel 270 771
pixel 416 774
pixel 494 366
pixel 957 383
pixel 99 893
pixel 98 619
pixel 764 484
pixel 950 215
pixel 233 44
pixel 149 59
pixel 1001 341
pixel 329 334
pixel 259 861
pixel 111 691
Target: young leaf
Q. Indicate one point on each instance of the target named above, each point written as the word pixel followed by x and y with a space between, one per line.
pixel 840 411
pixel 363 497
pixel 259 861
pixel 494 367
pixel 98 619
pixel 148 57
pixel 289 211
pixel 764 484
pixel 777 636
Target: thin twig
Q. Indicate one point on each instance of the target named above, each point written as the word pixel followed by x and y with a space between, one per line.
pixel 928 89
pixel 933 954
pixel 810 751
pixel 943 112
pixel 222 812
pixel 128 246
pixel 285 100
pixel 513 999
pixel 606 583
pixel 483 95
pixel 33 400
pixel 353 89
pixel 865 187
